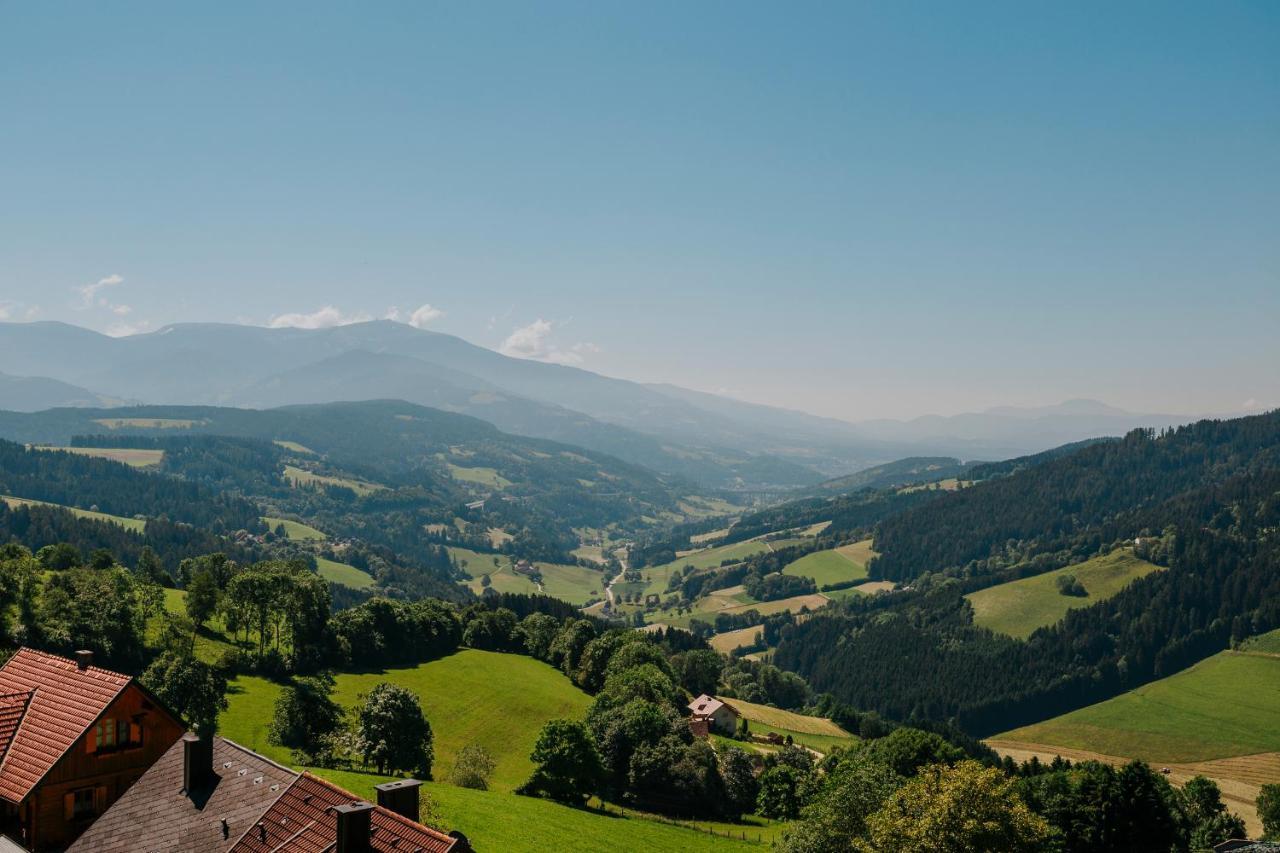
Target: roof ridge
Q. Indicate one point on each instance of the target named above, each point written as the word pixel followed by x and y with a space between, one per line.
pixel 273 763
pixel 17 729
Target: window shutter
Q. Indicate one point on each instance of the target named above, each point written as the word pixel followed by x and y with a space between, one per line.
pixel 68 806
pixel 91 740
pixel 100 799
pixel 135 734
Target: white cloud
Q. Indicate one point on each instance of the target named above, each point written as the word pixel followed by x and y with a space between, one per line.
pixel 424 315
pixel 1251 403
pixel 10 310
pixel 89 292
pixel 419 319
pixel 121 310
pixel 322 318
pixel 534 342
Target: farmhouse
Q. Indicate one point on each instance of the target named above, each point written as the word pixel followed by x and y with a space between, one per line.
pixel 73 738
pixel 215 796
pixel 718 714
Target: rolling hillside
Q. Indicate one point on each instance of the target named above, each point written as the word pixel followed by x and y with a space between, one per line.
pixel 1019 607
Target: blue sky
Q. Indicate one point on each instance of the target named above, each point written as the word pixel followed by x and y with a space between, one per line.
pixel 861 210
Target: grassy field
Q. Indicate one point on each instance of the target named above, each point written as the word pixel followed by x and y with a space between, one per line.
pixel 1227 705
pixel 295 447
pixel 657 576
pixel 732 600
pixel 295 530
pixel 869 588
pixel 147 423
pixel 730 640
pixel 814 732
pixel 1020 607
pixel 341 573
pixel 135 524
pixel 479 476
pixel 127 455
pixel 574 584
pixel 301 477
pixel 497 701
pixel 1266 644
pixel 827 567
pixel 465 696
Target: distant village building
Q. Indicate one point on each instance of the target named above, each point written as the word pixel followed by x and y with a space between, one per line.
pixel 73 738
pixel 718 714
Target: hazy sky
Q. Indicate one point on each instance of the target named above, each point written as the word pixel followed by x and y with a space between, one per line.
pixel 859 210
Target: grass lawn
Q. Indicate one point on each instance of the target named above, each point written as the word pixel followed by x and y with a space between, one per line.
pixel 502 821
pixel 1226 705
pixel 1019 607
pixel 127 455
pixel 295 530
pixel 301 477
pixel 498 701
pixel 826 567
pixel 479 476
pixel 341 573
pixel 135 524
pixel 147 423
pixel 211 643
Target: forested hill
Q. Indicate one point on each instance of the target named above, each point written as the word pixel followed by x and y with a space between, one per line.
pixel 75 480
pixel 1040 508
pixel 380 470
pixel 1202 501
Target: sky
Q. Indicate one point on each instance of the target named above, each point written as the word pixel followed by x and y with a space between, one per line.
pixel 859 210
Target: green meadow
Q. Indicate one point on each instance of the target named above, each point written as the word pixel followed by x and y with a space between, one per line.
pixel 479 476
pixel 465 696
pixel 1019 607
pixel 495 700
pixel 137 525
pixel 341 573
pixel 574 584
pixel 294 530
pixel 300 477
pixel 1226 705
pixel 827 567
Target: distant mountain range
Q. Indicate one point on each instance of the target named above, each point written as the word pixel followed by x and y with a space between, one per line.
pixel 707 438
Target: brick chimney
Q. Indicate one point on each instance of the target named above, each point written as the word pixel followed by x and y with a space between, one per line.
pixel 197 762
pixel 84 659
pixel 400 796
pixel 354 827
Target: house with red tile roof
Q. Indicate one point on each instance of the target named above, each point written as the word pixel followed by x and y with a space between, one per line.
pixel 73 738
pixel 215 796
pixel 712 713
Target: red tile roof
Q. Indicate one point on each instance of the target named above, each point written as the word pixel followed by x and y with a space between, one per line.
pixel 65 701
pixel 302 821
pixel 12 707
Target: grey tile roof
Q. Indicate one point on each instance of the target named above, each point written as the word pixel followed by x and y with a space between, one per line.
pixel 157 816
